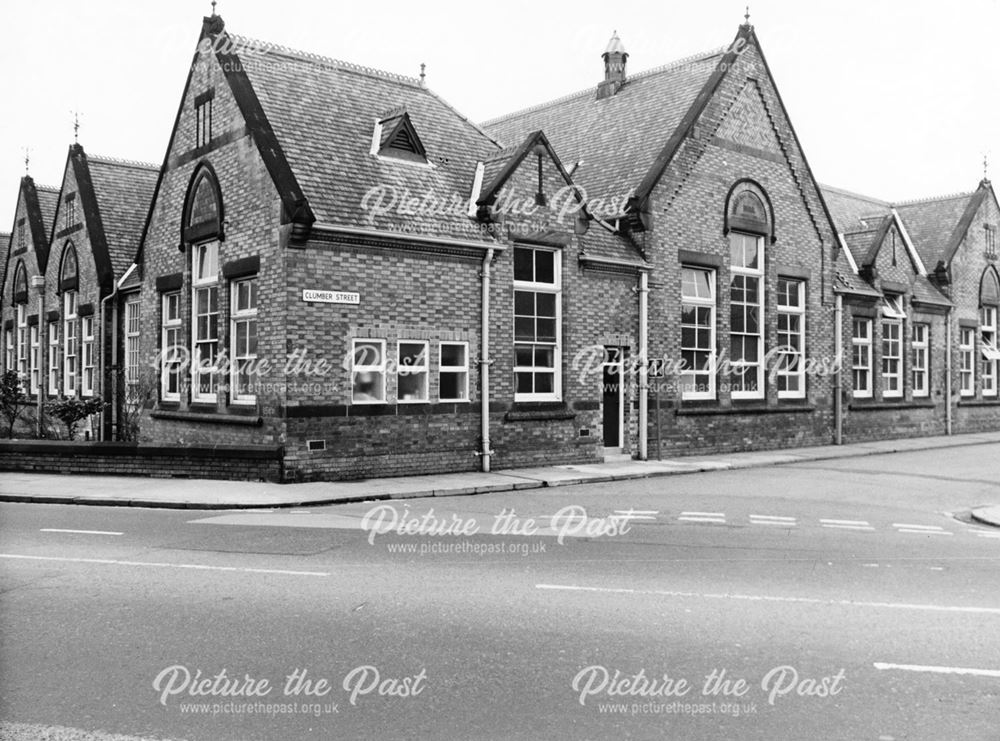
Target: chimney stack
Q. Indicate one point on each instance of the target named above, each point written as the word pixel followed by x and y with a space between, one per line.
pixel 615 58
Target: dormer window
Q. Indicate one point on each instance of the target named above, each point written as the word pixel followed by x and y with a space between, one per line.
pixel 892 307
pixel 203 118
pixel 396 137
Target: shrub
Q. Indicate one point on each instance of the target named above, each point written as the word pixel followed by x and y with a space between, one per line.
pixel 73 411
pixel 13 400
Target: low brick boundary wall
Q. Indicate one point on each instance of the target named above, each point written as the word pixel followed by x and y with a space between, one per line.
pixel 232 462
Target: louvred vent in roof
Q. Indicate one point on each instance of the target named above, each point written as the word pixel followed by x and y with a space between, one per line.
pixel 399 139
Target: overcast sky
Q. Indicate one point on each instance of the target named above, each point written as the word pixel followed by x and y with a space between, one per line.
pixel 898 100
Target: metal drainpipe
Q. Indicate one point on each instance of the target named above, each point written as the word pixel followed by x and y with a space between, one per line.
pixel 484 362
pixel 643 366
pixel 947 372
pixel 38 282
pixel 103 364
pixel 838 381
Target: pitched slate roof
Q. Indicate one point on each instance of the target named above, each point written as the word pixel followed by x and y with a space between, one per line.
pixel 864 223
pixel 323 114
pixel 124 191
pixel 859 243
pixel 853 212
pixel 618 138
pixel 48 201
pixel 932 224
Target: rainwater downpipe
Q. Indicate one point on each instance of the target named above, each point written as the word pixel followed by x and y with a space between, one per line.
pixel 484 362
pixel 947 373
pixel 643 365
pixel 838 379
pixel 38 283
pixel 106 410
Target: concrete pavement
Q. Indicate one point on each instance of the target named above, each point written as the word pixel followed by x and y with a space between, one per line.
pixel 211 494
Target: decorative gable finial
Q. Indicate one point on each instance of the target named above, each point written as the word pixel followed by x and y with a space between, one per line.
pixel 746 17
pixel 986 167
pixel 76 126
pixel 423 74
pixel 27 159
pixel 213 8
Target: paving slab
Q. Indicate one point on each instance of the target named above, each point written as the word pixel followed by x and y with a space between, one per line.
pixel 219 495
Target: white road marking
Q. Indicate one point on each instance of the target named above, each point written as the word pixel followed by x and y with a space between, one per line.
pixel 917 527
pixel 637 514
pixel 717 520
pixel 844 522
pixel 767 598
pixel 939 669
pixel 772 520
pixel 988 535
pixel 196 566
pixel 863 528
pixel 924 532
pixel 704 514
pixel 79 532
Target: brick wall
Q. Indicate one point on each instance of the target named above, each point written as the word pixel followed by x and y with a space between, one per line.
pixel 980 412
pixel 263 463
pixel 742 134
pixel 251 211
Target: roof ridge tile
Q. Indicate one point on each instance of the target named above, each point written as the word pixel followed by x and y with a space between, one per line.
pixel 670 66
pixel 118 161
pixel 269 47
pixel 935 199
pixel 854 194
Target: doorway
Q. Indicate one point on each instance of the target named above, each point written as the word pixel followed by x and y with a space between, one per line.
pixel 613 398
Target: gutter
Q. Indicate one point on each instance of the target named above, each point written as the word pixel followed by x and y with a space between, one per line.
pixel 402 236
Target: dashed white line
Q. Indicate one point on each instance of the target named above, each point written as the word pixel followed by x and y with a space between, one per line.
pixel 837 526
pixel 923 532
pixel 988 535
pixel 772 520
pixel 195 566
pixel 766 598
pixel 938 669
pixel 844 522
pixel 916 527
pixel 704 514
pixel 79 532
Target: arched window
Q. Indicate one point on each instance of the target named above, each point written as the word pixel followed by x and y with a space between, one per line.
pixel 989 307
pixel 748 209
pixel 989 288
pixel 20 284
pixel 748 224
pixel 203 208
pixel 69 279
pixel 69 283
pixel 203 220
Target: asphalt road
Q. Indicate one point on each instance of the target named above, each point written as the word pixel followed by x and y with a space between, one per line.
pixel 836 600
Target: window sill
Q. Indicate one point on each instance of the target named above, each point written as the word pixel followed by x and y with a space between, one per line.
pixel 538 411
pixel 868 405
pixel 783 407
pixel 208 418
